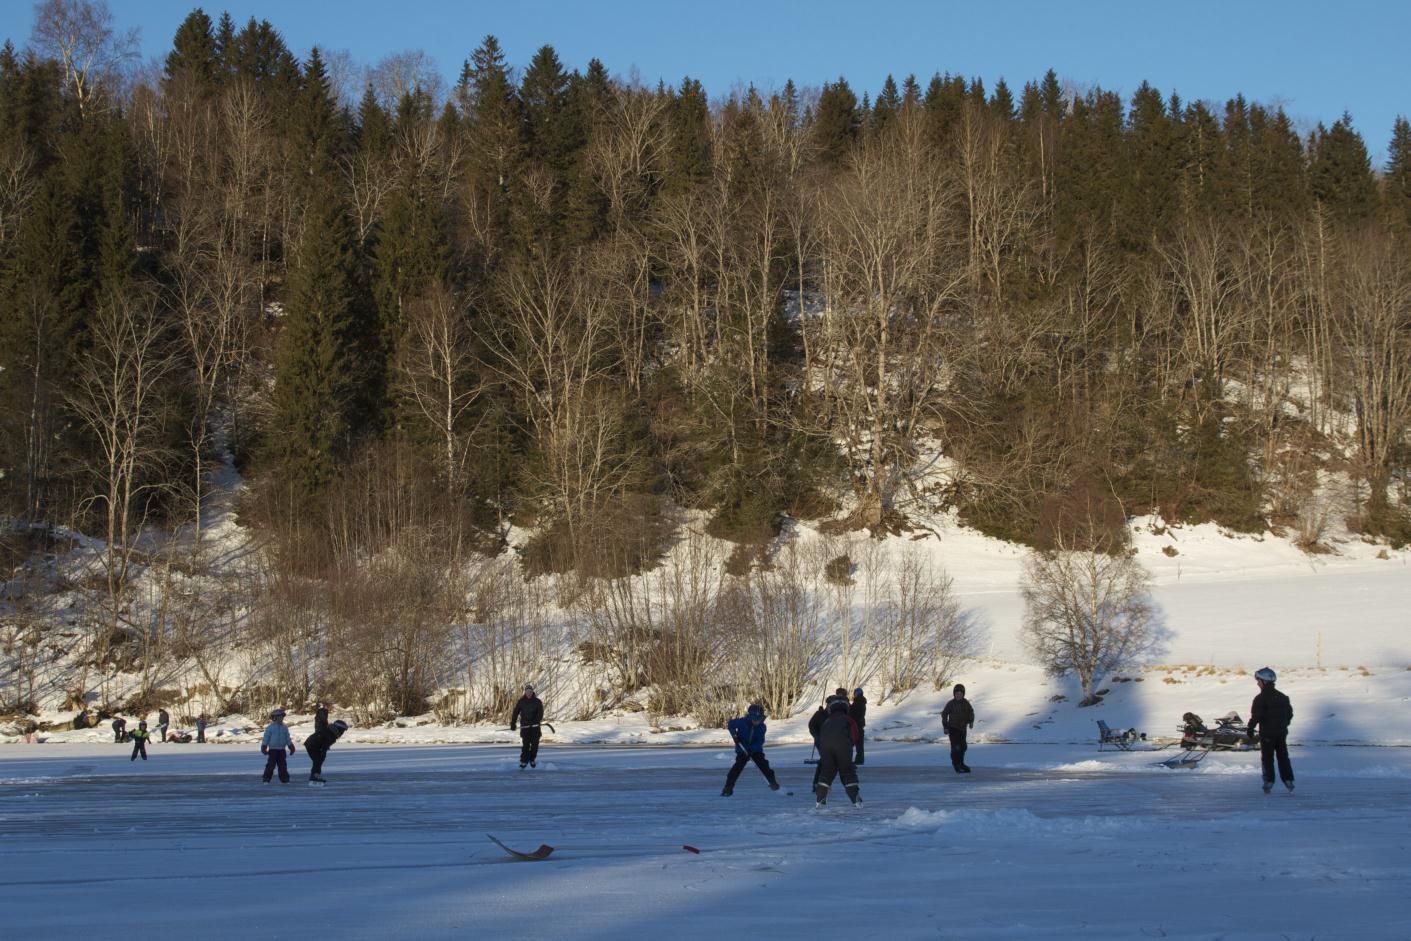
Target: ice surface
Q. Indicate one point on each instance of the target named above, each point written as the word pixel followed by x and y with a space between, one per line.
pixel 1039 842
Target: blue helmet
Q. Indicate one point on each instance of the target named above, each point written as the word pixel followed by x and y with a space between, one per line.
pixel 755 712
pixel 1265 675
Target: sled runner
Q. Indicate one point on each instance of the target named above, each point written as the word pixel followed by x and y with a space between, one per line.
pixel 541 853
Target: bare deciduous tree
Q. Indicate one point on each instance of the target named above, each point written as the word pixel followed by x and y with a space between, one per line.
pixel 80 35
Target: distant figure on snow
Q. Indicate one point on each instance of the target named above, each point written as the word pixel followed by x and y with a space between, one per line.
pixel 119 729
pixel 201 728
pixel 956 717
pixel 836 741
pixel 316 746
pixel 748 733
pixel 858 711
pixel 163 722
pixel 528 715
pixel 278 746
pixel 1271 713
pixel 139 741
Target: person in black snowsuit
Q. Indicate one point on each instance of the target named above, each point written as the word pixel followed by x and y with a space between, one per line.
pixel 1271 713
pixel 836 741
pixel 316 746
pixel 119 729
pixel 858 711
pixel 815 722
pixel 163 722
pixel 139 741
pixel 747 732
pixel 956 717
pixel 528 715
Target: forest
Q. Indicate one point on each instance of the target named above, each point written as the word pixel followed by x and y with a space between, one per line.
pixel 599 320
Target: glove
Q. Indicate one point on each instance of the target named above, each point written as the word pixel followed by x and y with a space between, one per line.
pixel 292 749
pixel 264 749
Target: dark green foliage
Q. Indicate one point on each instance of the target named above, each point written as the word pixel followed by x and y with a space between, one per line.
pixel 326 366
pixel 688 146
pixel 1340 173
pixel 835 123
pixel 1398 174
pixel 195 56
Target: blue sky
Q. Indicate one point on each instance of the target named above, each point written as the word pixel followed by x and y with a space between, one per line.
pixel 1317 59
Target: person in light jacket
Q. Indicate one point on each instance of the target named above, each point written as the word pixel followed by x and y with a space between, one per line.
pixel 278 746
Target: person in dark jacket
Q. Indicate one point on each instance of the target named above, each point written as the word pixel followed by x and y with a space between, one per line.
pixel 858 711
pixel 747 731
pixel 527 716
pixel 1271 713
pixel 140 735
pixel 201 728
pixel 815 722
pixel 316 746
pixel 836 741
pixel 956 717
pixel 119 729
pixel 163 722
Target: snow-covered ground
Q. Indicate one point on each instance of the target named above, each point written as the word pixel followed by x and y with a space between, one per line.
pixel 1055 841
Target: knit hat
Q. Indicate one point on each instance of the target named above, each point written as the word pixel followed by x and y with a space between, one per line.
pixel 529 687
pixel 857 692
pixel 840 692
pixel 960 688
pixel 756 711
pixel 838 705
pixel 278 714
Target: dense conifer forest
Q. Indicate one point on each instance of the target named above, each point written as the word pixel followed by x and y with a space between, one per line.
pixel 560 303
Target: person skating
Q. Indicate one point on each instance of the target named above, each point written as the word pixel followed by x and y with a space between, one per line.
pixel 201 728
pixel 956 717
pixel 163 722
pixel 316 746
pixel 119 730
pixel 858 710
pixel 836 741
pixel 747 731
pixel 528 715
pixel 1271 714
pixel 140 735
pixel 277 744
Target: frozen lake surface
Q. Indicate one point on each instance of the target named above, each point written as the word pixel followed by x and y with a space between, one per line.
pixel 1040 842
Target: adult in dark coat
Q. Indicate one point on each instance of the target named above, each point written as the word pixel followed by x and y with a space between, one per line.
pixel 527 716
pixel 316 746
pixel 201 727
pixel 119 729
pixel 1271 714
pixel 836 741
pixel 956 717
pixel 163 722
pixel 858 711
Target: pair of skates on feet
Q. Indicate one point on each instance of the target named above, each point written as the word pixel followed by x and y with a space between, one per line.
pixel 820 793
pixel 1269 786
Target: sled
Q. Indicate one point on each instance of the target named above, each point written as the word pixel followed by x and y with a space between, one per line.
pixel 541 853
pixel 1124 740
pixel 1197 741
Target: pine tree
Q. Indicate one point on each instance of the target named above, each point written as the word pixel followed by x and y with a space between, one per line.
pixel 886 108
pixel 195 56
pixel 325 367
pixel 688 148
pixel 835 123
pixel 1340 173
pixel 1149 183
pixel 1398 174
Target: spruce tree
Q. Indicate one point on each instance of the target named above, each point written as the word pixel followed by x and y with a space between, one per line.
pixel 835 123
pixel 1398 174
pixel 325 366
pixel 886 108
pixel 688 147
pixel 194 54
pixel 1340 173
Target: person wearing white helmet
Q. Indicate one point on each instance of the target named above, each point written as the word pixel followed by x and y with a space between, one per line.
pixel 277 745
pixel 1271 713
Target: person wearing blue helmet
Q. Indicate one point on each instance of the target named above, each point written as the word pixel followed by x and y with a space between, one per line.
pixel 748 735
pixel 1271 714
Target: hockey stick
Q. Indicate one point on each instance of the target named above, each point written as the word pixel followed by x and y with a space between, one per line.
pixel 810 760
pixel 534 726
